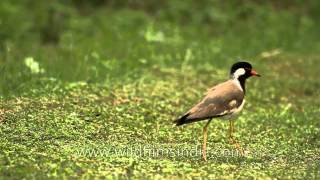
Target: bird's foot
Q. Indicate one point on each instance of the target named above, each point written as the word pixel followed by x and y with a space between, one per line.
pixel 240 149
pixel 237 146
pixel 204 153
pixel 204 157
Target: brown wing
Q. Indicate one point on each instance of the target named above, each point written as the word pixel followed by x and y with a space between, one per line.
pixel 220 100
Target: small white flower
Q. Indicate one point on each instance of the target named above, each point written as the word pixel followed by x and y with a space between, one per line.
pixel 153 36
pixel 33 65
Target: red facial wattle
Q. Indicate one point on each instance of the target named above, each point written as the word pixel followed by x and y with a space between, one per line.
pixel 254 73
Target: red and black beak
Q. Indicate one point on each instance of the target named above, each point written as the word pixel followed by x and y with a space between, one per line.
pixel 254 73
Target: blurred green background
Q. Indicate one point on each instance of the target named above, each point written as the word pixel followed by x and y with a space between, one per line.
pixel 91 75
pixel 103 41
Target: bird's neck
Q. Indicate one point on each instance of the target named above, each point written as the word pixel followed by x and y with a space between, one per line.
pixel 241 81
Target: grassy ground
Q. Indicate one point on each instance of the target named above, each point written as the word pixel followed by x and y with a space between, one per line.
pixel 102 101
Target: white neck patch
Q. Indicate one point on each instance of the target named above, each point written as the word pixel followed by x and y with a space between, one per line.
pixel 239 72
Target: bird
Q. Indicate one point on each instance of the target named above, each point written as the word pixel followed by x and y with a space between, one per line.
pixel 224 100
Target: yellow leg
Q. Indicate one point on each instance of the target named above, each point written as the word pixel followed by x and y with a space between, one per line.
pixel 204 145
pixel 232 139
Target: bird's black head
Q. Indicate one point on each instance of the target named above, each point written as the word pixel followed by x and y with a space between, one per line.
pixel 242 70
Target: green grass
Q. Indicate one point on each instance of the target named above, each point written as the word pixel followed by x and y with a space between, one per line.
pixel 114 83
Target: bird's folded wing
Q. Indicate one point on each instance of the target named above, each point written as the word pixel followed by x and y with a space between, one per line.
pixel 221 100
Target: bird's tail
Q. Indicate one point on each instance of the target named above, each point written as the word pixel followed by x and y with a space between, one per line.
pixel 182 120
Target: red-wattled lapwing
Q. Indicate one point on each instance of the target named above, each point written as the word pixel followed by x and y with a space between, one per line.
pixel 223 100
